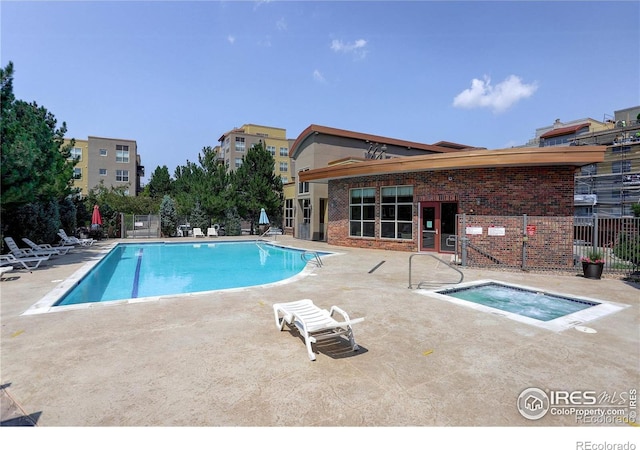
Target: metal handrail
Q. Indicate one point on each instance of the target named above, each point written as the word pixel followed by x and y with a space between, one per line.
pixel 314 255
pixel 419 285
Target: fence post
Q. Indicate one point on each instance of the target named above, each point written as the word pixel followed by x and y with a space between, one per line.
pixel 463 242
pixel 525 238
pixel 594 238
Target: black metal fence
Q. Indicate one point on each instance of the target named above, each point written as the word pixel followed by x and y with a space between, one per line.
pixel 548 243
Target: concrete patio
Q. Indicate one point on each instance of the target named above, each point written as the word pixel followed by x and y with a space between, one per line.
pixel 217 360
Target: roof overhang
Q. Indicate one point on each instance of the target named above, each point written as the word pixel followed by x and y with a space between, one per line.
pixel 574 156
pixel 565 130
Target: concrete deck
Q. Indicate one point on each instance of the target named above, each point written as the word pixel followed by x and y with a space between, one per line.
pixel 218 359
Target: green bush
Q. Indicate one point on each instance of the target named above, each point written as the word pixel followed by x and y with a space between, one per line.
pixel 628 248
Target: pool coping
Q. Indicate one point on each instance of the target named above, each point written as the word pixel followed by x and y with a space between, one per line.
pixel 46 303
pixel 573 320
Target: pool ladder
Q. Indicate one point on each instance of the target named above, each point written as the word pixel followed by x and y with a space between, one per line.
pixel 310 255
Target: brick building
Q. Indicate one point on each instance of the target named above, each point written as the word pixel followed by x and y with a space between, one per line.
pixel 412 203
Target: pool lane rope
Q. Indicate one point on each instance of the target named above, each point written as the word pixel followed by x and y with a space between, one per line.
pixel 136 277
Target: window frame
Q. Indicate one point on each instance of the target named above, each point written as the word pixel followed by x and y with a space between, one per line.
pixel 363 226
pixel 122 154
pixel 121 174
pixel 395 213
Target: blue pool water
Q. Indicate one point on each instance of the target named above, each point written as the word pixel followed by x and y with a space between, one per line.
pixel 149 270
pixel 525 302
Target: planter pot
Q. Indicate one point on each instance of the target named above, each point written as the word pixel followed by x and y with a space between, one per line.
pixel 592 270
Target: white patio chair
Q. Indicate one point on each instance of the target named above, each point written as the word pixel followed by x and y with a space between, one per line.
pixel 59 250
pixel 197 232
pixel 26 252
pixel 313 323
pixel 28 262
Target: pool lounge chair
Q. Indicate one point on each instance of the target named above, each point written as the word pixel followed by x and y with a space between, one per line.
pixel 72 240
pixel 212 232
pixel 313 323
pixel 197 232
pixel 26 252
pixel 59 250
pixel 28 262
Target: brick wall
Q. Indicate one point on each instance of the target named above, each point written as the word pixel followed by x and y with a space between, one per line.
pixel 535 191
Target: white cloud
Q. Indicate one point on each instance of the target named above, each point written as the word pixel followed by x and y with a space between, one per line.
pixel 358 47
pixel 281 24
pixel 317 76
pixel 499 97
pixel 231 39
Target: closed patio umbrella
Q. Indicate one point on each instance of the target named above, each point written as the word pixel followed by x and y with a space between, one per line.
pixel 96 218
pixel 264 220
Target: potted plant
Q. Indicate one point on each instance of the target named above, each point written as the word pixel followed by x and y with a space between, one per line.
pixel 592 264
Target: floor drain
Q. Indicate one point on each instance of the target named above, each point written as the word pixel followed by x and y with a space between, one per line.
pixel 586 329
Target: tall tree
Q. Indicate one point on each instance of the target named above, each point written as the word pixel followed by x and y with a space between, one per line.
pixel 160 183
pixel 35 163
pixel 255 186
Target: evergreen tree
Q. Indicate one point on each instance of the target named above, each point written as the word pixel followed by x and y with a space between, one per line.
pixel 255 186
pixel 168 217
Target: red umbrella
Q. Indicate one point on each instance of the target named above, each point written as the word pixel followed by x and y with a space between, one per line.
pixel 96 218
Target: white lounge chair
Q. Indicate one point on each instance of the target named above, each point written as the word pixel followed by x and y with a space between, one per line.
pixel 72 240
pixel 197 232
pixel 10 260
pixel 26 252
pixel 59 250
pixel 313 323
pixel 212 232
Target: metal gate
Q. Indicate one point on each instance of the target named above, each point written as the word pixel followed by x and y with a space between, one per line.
pixel 141 226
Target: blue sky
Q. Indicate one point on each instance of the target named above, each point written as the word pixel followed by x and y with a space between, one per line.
pixel 174 76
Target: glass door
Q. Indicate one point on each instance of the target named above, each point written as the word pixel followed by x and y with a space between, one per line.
pixel 428 216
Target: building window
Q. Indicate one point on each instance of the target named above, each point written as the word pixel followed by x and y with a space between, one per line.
pixel 284 167
pixel 103 152
pixel 284 180
pixel 76 153
pixel 238 162
pixel 272 149
pixel 621 166
pixel 303 187
pixel 288 213
pixel 362 212
pixel 77 173
pixel 284 151
pixel 306 210
pixel 240 145
pixel 122 175
pixel 103 172
pixel 122 153
pixel 396 212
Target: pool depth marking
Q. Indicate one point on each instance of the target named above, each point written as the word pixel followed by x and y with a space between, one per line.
pixel 136 277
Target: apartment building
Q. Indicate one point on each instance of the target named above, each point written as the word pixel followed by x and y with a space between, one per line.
pixel 112 162
pixel 234 145
pixel 610 187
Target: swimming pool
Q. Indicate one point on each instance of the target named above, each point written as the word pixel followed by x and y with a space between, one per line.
pixel 148 270
pixel 538 307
